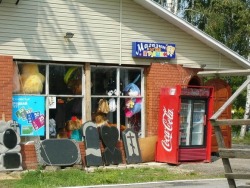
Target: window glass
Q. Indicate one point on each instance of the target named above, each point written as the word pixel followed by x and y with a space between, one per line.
pixel 118 90
pixel 104 110
pixel 103 81
pixel 130 78
pixel 60 86
pixel 65 117
pixel 65 80
pixel 32 79
pixel 64 110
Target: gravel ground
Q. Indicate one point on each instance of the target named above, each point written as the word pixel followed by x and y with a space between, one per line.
pixel 216 165
pixel 10 175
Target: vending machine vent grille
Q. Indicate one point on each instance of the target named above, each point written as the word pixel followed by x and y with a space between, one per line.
pixel 194 154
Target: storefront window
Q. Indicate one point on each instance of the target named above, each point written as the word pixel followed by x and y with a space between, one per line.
pixel 117 97
pixel 59 87
pixel 70 78
pixel 29 79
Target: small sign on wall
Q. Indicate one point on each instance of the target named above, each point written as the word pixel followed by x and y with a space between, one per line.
pixel 153 50
pixel 28 112
pixel 52 102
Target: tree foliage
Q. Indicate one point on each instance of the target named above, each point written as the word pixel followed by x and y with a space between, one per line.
pixel 228 21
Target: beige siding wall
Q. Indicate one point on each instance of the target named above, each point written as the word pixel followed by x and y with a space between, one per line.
pixel 35 29
pixel 140 25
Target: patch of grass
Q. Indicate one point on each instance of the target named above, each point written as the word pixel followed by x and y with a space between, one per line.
pixel 44 179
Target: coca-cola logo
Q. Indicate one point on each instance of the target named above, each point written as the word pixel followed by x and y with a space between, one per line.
pixel 167 122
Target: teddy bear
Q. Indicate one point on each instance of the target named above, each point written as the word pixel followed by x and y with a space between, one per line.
pixel 31 79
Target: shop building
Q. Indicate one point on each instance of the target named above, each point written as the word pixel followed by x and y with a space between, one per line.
pixel 88 51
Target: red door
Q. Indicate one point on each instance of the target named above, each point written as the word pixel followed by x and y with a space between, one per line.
pixel 222 91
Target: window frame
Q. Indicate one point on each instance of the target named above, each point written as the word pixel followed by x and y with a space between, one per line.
pixel 47 94
pixel 119 97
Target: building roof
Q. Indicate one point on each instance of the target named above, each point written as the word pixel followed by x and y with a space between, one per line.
pixel 196 33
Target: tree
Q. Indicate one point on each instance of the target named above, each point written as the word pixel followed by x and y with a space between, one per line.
pixel 170 5
pixel 247 112
pixel 228 21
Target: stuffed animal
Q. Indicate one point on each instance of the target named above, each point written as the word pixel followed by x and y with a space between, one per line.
pixel 133 105
pixel 16 79
pixel 52 128
pixel 103 106
pixel 73 128
pixel 112 105
pixel 31 79
pixel 100 119
pixel 122 127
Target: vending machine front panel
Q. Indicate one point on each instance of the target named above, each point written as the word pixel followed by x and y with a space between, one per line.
pixel 167 148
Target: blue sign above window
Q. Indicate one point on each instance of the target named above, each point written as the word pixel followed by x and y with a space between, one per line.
pixel 153 50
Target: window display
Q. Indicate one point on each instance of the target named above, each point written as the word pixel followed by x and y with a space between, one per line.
pixel 117 95
pixel 61 86
pixel 29 79
pixel 32 81
pixel 118 89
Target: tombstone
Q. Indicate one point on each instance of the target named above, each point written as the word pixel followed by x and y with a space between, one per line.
pixel 10 156
pixel 58 152
pixel 131 146
pixel 92 144
pixel 10 162
pixel 110 135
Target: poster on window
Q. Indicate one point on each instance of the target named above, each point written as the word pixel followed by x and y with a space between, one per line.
pixel 28 112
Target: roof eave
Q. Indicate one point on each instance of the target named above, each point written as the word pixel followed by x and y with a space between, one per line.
pixel 196 33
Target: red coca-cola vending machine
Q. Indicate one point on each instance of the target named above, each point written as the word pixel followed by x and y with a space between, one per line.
pixel 184 129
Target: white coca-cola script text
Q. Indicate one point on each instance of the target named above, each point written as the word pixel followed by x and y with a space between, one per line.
pixel 167 122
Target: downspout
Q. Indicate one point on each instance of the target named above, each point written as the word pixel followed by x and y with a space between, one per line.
pixel 118 74
pixel 120 58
